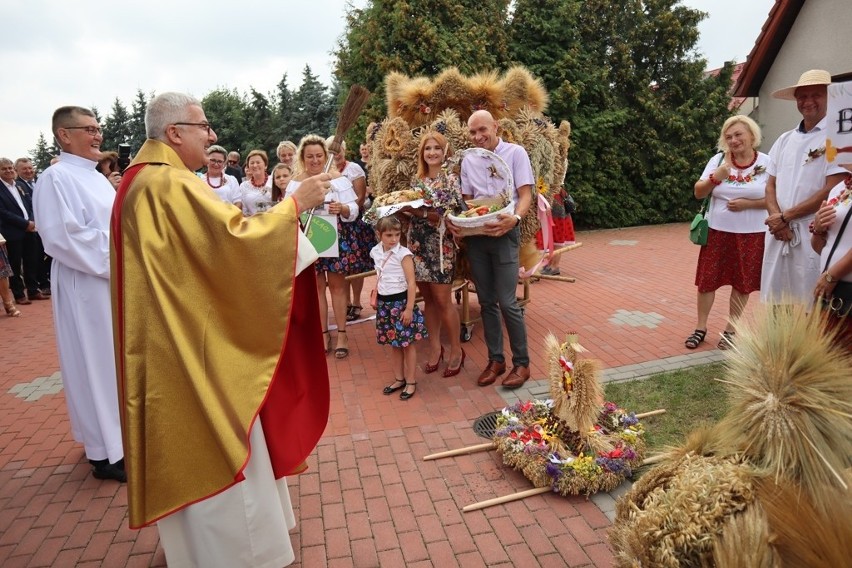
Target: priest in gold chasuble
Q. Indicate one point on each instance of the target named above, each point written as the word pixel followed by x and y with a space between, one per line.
pixel 222 380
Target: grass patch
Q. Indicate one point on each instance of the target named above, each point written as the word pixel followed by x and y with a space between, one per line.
pixel 690 396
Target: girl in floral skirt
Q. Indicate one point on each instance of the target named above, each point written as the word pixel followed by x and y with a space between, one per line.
pixel 399 322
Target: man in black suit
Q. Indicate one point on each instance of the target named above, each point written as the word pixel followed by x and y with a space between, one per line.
pixel 26 183
pixel 16 210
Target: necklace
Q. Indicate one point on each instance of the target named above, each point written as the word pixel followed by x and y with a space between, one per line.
pixel 745 167
pixel 221 181
pixel 261 186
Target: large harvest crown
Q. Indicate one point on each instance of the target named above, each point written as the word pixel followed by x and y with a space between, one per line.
pixel 420 105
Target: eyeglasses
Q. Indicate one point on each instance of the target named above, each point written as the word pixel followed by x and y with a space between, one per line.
pixel 90 130
pixel 204 125
pixel 212 161
pixel 233 162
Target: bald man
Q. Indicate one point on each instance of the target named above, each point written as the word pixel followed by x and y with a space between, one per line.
pixel 494 257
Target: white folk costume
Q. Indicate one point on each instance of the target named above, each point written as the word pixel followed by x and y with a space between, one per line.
pixel 220 398
pixel 73 203
pixel 226 187
pixel 791 269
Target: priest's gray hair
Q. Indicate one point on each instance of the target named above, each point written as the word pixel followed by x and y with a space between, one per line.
pixel 166 109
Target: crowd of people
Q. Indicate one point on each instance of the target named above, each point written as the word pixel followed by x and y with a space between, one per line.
pixel 762 207
pixel 124 259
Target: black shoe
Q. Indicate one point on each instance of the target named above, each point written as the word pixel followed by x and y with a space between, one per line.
pixel 405 395
pixel 390 389
pixel 102 469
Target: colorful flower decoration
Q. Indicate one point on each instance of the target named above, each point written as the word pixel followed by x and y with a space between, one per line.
pixel 741 179
pixel 531 440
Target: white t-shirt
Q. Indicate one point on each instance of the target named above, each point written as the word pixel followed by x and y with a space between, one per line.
pixel 341 191
pixel 749 183
pixel 229 191
pixel 845 244
pixel 390 275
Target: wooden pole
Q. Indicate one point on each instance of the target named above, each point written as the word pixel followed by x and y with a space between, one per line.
pixel 507 498
pixel 460 451
pixel 651 413
pixel 361 275
pixel 566 248
pixel 554 277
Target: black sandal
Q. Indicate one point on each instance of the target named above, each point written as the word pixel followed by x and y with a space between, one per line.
pixel 390 389
pixel 727 340
pixel 341 352
pixel 696 339
pixel 353 313
pixel 406 395
pixel 327 345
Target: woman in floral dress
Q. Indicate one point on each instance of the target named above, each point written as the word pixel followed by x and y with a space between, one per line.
pixel 331 272
pixel 435 251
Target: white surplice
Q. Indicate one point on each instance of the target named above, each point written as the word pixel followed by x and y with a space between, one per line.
pixel 245 526
pixel 790 269
pixel 72 203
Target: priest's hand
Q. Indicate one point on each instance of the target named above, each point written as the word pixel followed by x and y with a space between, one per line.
pixel 311 192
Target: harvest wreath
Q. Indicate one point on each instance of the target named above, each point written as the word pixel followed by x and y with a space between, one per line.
pixel 571 443
pixel 540 438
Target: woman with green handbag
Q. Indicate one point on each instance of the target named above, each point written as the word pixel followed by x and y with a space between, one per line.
pixel 736 177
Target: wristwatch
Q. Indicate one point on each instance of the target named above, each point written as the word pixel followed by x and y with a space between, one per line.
pixel 829 278
pixel 518 217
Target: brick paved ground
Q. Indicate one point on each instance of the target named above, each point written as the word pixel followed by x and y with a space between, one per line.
pixel 369 499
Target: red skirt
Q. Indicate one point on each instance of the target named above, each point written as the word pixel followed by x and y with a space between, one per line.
pixel 563 233
pixel 730 259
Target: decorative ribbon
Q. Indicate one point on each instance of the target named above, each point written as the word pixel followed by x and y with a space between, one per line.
pixel 545 218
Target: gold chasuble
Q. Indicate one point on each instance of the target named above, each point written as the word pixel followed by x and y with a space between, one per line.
pixel 212 328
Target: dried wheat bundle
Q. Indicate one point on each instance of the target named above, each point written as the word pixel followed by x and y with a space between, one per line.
pixel 670 517
pixel 790 398
pixel 574 386
pixel 768 485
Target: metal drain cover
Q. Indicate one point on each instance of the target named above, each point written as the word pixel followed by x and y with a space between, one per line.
pixel 486 424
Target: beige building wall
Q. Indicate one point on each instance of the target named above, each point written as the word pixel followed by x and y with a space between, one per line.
pixel 818 40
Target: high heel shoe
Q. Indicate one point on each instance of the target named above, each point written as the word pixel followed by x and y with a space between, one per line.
pixel 341 352
pixel 11 310
pixel 448 372
pixel 429 368
pixel 327 342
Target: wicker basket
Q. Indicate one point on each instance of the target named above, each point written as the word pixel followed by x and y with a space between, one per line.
pixel 470 226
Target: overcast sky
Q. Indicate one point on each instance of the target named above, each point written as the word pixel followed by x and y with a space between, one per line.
pixel 88 52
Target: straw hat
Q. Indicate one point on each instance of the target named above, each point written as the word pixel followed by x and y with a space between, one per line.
pixel 812 77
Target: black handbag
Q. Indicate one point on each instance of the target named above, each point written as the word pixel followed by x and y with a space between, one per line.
pixel 840 302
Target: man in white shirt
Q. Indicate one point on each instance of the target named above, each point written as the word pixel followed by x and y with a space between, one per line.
pixel 73 203
pixel 799 180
